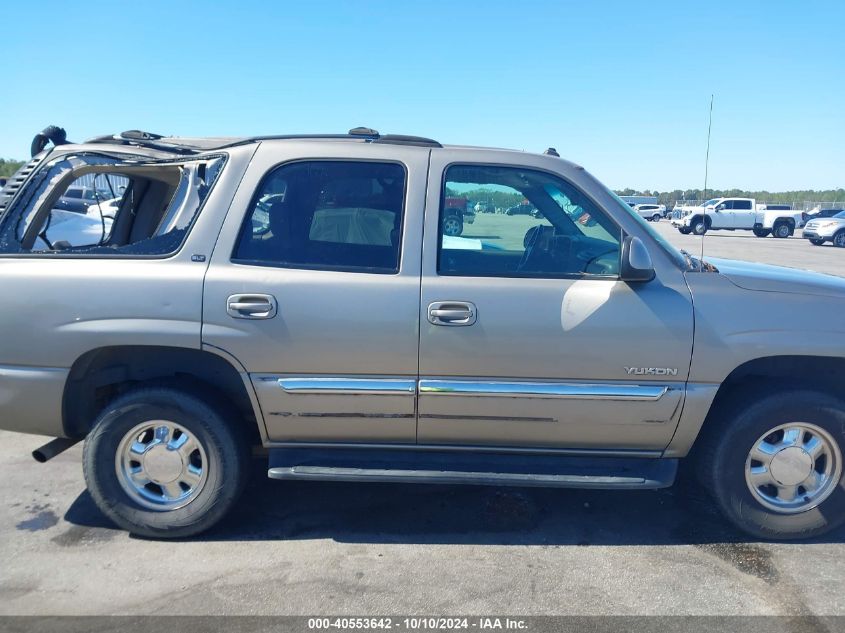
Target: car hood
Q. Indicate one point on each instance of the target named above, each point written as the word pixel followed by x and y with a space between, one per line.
pixel 766 278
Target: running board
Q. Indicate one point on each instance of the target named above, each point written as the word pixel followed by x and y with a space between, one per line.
pixel 457 467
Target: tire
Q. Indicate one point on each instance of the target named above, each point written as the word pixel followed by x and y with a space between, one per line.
pixel 699 227
pixel 815 242
pixel 761 232
pixel 221 458
pixel 655 217
pixel 839 239
pixel 726 466
pixel 781 230
pixel 684 231
pixel 453 225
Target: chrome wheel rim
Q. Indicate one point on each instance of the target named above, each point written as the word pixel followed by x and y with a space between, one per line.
pixel 793 467
pixel 451 226
pixel 783 231
pixel 161 465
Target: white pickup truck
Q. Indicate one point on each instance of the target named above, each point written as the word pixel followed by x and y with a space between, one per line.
pixel 739 214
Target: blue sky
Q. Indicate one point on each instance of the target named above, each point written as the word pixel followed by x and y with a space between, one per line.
pixel 619 87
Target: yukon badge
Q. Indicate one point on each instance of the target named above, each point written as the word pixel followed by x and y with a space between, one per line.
pixel 652 371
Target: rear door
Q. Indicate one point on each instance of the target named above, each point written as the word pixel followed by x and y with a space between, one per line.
pixel 314 287
pixel 744 214
pixel 528 338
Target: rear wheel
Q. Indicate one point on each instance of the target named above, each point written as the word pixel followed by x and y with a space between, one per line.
pixel 761 232
pixel 164 463
pixel 453 225
pixel 815 242
pixel 839 239
pixel 781 230
pixel 684 230
pixel 775 467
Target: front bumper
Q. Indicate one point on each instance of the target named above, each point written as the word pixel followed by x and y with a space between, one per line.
pixel 814 233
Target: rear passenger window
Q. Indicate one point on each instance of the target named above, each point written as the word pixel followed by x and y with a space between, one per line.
pixel 327 215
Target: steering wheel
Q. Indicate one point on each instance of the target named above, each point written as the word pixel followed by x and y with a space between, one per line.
pixel 530 241
pixel 594 261
pixel 43 233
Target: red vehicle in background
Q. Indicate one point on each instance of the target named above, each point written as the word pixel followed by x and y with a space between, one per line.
pixel 457 213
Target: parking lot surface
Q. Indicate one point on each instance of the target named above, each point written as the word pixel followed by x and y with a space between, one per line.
pixel 342 548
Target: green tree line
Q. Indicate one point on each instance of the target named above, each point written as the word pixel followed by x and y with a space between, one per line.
pixel 499 199
pixel 795 198
pixel 9 167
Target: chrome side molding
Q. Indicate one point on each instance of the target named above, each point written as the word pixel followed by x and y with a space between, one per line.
pixel 512 389
pixel 543 390
pixel 370 386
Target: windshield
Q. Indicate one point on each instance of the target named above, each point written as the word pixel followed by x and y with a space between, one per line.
pixel 673 252
pixel 840 215
pixel 712 203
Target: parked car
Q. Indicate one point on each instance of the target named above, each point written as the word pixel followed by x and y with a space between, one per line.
pixel 484 207
pixel 352 340
pixel 520 209
pixel 832 229
pixel 820 214
pixel 78 199
pixel 736 214
pixel 651 212
pixel 457 214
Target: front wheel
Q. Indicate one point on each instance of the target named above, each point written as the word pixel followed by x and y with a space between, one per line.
pixel 775 467
pixel 164 463
pixel 656 217
pixel 699 227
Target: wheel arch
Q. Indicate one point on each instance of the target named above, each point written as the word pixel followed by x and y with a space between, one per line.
pixel 101 374
pixel 752 379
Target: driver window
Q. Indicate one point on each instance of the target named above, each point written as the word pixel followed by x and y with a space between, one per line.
pixel 511 222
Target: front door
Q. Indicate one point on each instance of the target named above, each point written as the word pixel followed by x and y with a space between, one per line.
pixel 527 336
pixel 314 288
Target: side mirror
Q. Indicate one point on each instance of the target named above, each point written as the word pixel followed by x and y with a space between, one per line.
pixel 636 261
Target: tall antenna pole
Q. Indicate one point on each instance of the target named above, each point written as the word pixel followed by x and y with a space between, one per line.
pixel 706 166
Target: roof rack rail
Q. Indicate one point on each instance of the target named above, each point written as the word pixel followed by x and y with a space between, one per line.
pixel 404 139
pixel 172 144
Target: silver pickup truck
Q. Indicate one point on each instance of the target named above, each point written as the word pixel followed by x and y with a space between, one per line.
pixel 296 297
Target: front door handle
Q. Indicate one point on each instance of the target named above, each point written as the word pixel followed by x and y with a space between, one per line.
pixel 452 313
pixel 252 306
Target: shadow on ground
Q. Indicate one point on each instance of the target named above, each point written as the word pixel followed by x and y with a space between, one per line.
pixel 417 513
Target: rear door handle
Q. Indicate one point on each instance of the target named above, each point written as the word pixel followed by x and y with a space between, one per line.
pixel 251 306
pixel 452 313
